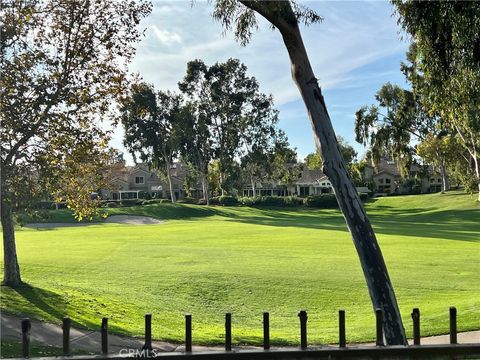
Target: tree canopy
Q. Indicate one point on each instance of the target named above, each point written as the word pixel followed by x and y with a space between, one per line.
pixel 62 64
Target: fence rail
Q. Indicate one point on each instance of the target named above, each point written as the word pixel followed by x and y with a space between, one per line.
pixel 379 351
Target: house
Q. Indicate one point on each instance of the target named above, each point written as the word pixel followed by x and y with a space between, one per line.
pixel 388 180
pixel 312 182
pixel 135 182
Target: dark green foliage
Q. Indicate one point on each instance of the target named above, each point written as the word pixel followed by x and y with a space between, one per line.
pixel 281 201
pixel 188 200
pixel 224 200
pixel 156 201
pixel 131 202
pixel 324 201
pixel 144 195
pixel 364 196
pixel 111 204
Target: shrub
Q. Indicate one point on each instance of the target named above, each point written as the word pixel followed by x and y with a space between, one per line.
pixel 144 195
pixel 280 201
pixel 155 201
pixel 44 205
pixel 323 201
pixel 188 200
pixel 224 200
pixel 111 204
pixel 364 196
pixel 130 202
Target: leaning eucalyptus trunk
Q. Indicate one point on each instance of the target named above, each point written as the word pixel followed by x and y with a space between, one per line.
pixel 11 270
pixel 281 15
pixel 371 259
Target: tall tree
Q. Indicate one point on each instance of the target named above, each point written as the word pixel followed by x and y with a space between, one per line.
pixel 314 160
pixel 62 63
pixel 286 16
pixel 153 127
pixel 196 142
pixel 260 136
pixel 227 97
pixel 285 167
pixel 447 44
pixel 389 127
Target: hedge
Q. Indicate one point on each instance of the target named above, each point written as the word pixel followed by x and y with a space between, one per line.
pixel 224 200
pixel 271 201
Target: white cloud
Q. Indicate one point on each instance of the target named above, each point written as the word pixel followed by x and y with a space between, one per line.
pixel 166 37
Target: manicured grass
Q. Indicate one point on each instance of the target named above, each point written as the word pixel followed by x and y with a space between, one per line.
pixel 13 349
pixel 212 260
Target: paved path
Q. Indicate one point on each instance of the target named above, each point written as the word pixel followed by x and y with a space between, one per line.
pixel 51 334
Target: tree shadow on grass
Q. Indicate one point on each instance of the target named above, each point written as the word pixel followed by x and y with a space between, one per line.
pixel 49 302
pixel 462 225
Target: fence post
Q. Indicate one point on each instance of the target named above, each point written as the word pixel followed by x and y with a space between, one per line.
pixel 416 326
pixel 148 334
pixel 303 329
pixel 342 342
pixel 66 336
pixel 453 325
pixel 188 332
pixel 266 331
pixel 26 326
pixel 379 321
pixel 228 332
pixel 104 332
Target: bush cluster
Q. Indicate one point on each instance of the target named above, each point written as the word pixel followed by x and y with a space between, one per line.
pixel 323 201
pixel 131 202
pixel 224 200
pixel 270 201
pixel 155 201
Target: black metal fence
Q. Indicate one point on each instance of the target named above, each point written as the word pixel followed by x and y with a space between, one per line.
pixel 342 351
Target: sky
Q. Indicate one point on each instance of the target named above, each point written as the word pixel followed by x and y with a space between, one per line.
pixel 357 48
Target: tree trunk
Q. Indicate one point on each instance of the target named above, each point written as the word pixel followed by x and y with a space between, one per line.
pixel 11 270
pixel 252 180
pixel 371 259
pixel 476 162
pixel 205 189
pixel 445 181
pixel 169 178
pixel 221 183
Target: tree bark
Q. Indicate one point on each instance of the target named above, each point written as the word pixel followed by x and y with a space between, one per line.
pixel 169 178
pixel 221 183
pixel 252 180
pixel 11 270
pixel 445 181
pixel 205 188
pixel 373 265
pixel 476 162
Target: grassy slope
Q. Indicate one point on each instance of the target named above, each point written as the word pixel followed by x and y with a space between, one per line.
pixel 208 261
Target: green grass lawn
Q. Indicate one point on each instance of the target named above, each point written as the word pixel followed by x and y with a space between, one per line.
pixel 13 349
pixel 212 260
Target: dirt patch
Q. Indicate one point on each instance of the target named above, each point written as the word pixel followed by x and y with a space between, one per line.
pixel 114 219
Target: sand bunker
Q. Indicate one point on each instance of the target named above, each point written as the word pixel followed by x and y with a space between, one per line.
pixel 114 219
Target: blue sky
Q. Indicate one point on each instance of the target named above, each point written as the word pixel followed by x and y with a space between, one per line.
pixel 354 51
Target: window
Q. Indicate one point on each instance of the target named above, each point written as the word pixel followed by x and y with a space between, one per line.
pixel 380 181
pixel 387 181
pixel 139 180
pixel 432 180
